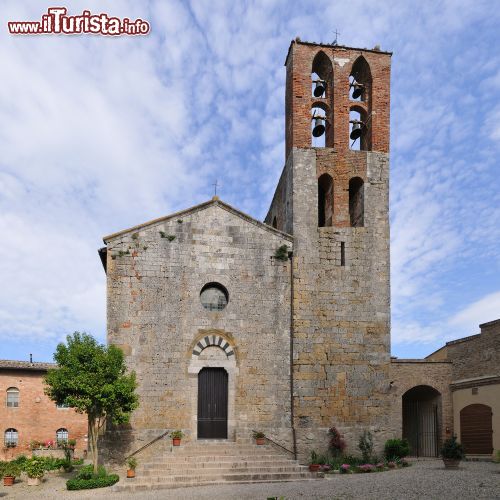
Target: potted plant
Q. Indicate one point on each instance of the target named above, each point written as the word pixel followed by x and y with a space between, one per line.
pixel 10 471
pixel 132 464
pixel 452 452
pixel 71 444
pixel 34 468
pixel 314 464
pixel 260 437
pixel 176 437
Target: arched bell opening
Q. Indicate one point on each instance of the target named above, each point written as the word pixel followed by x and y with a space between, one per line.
pixel 321 125
pixel 325 201
pixel 360 81
pixel 359 129
pixel 322 91
pixel 422 411
pixel 321 76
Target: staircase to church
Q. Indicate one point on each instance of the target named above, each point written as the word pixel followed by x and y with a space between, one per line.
pixel 213 462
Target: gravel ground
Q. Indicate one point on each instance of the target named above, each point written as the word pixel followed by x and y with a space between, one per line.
pixel 424 479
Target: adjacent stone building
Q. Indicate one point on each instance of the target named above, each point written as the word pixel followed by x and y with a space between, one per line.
pixel 27 414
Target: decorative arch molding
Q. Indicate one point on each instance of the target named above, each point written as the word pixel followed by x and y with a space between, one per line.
pixel 212 339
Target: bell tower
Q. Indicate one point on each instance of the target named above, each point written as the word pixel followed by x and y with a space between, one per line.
pixel 333 197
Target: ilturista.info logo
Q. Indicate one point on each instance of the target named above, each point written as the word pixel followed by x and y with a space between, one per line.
pixel 58 22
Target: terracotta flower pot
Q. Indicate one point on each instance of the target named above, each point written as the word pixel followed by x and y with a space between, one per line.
pixel 8 480
pixel 176 441
pixel 260 441
pixel 314 467
pixel 451 463
pixel 130 473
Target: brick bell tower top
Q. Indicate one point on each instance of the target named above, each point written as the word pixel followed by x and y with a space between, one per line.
pixel 337 97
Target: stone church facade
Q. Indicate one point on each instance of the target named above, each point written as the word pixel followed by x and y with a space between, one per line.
pixel 283 326
pixel 304 339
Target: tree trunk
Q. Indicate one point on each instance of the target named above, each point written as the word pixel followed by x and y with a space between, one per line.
pixel 94 432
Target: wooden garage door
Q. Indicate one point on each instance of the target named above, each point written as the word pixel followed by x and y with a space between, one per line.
pixel 476 433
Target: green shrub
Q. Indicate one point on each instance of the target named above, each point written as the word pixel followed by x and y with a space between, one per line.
pixel 352 460
pixel 87 484
pixel 452 449
pixel 86 479
pixel 11 469
pixel 365 445
pixel 398 448
pixel 281 253
pixel 20 460
pixel 34 467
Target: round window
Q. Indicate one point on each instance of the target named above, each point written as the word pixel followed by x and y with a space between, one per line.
pixel 214 297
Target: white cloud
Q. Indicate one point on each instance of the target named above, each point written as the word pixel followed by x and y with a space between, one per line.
pixel 485 309
pixel 99 134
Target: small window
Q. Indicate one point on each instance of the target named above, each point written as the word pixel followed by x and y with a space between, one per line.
pixel 11 438
pixel 12 397
pixel 356 202
pixel 62 405
pixel 214 297
pixel 62 435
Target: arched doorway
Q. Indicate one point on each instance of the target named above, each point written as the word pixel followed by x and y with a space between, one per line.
pixel 422 420
pixel 476 430
pixel 212 403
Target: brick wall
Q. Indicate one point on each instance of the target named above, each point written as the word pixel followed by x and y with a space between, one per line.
pixel 37 417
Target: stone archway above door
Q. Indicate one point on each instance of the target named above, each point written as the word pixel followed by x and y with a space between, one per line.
pixel 212 340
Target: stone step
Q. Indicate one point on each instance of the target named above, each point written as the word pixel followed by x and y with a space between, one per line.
pixel 217 471
pixel 232 451
pixel 132 486
pixel 217 464
pixel 214 458
pixel 219 449
pixel 227 478
pixel 214 463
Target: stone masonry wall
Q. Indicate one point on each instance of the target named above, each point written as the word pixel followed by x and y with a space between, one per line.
pixel 155 316
pixel 282 204
pixel 478 355
pixel 341 321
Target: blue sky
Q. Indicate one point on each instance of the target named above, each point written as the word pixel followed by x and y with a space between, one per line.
pixel 98 134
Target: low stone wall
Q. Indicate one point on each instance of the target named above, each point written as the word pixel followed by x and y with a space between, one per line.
pixel 55 453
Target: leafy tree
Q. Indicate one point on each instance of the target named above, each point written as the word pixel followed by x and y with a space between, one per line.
pixel 91 378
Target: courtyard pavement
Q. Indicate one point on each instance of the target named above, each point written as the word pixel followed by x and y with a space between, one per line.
pixel 425 479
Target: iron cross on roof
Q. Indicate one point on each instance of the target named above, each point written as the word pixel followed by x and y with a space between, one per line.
pixel 335 42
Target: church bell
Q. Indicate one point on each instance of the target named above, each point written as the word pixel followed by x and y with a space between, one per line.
pixel 358 90
pixel 319 88
pixel 357 130
pixel 319 126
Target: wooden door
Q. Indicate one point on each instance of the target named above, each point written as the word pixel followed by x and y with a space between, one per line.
pixel 476 432
pixel 212 403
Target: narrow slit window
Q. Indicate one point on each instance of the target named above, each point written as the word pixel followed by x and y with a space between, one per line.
pixel 356 202
pixel 342 253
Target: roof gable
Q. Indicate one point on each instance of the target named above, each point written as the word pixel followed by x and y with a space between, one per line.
pixel 215 201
